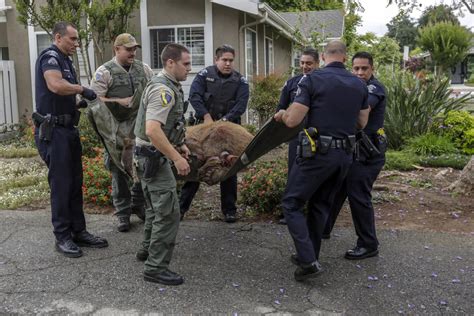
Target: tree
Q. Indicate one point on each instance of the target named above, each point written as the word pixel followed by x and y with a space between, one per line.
pixel 455 4
pixel 95 20
pixel 436 14
pixel 402 29
pixel 447 43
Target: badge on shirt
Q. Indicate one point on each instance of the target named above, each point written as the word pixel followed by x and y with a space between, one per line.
pixel 98 76
pixel 166 97
pixel 371 88
pixel 210 79
pixel 52 61
pixel 203 72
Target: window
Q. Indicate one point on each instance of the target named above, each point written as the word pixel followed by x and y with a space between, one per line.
pixel 250 53
pixel 43 41
pixel 296 59
pixel 191 37
pixel 3 53
pixel 269 66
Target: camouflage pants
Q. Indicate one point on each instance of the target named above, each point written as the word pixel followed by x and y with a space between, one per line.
pixel 162 215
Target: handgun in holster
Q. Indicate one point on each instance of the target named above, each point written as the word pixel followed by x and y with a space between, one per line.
pixel 45 125
pixel 381 139
pixel 177 133
pixel 152 160
pixel 366 146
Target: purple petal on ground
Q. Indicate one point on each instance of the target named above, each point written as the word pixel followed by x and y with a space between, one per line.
pixel 337 235
pixel 422 306
pixel 358 266
pixel 282 290
pixel 427 247
pixel 455 215
pixel 400 312
pixel 187 237
pixel 456 281
pixel 443 303
pixel 235 284
pixel 411 306
pixel 369 286
pixel 161 289
pixel 389 286
pixel 462 270
pixel 459 257
pixel 373 278
pixel 277 302
pixel 235 314
pixel 434 275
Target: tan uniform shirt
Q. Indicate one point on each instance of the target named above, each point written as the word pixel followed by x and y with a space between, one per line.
pixel 159 99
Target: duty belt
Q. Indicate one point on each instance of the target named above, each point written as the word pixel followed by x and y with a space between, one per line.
pixel 65 120
pixel 147 151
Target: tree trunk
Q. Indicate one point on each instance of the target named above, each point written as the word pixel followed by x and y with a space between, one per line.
pixel 465 184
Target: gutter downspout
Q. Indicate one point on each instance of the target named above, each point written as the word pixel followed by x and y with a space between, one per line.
pixel 241 39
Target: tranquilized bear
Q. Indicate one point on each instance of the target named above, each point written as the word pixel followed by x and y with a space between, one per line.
pixel 214 148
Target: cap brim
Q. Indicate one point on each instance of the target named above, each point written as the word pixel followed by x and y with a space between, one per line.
pixel 132 45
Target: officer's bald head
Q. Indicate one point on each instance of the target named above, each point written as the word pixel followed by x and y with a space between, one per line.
pixel 335 50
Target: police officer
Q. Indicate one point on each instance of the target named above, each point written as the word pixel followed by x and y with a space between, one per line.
pixel 218 92
pixel 364 171
pixel 57 139
pixel 309 61
pixel 334 100
pixel 159 134
pixel 115 83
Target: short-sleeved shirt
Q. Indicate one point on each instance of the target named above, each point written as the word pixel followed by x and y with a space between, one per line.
pixel 334 97
pixel 288 92
pixel 159 100
pixel 48 102
pixel 377 102
pixel 102 80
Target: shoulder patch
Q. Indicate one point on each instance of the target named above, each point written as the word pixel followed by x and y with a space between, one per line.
pixel 244 80
pixel 166 97
pixel 52 53
pixel 302 78
pixel 203 72
pixel 52 61
pixel 372 88
pixel 98 76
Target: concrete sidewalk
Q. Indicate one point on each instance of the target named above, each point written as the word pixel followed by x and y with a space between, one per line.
pixel 241 268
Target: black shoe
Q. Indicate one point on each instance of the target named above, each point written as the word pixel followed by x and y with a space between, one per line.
pixel 139 211
pixel 165 277
pixel 326 236
pixel 68 248
pixel 307 271
pixel 230 218
pixel 123 224
pixel 141 255
pixel 282 221
pixel 294 259
pixel 360 253
pixel 86 239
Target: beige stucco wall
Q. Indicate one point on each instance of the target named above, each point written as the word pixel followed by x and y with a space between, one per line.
pixel 3 35
pixel 165 12
pixel 226 30
pixel 19 53
pixel 282 54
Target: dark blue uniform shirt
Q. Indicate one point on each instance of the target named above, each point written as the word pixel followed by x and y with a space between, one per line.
pixel 233 90
pixel 288 92
pixel 377 102
pixel 334 97
pixel 48 102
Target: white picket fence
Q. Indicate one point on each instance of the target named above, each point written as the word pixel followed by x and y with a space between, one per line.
pixel 8 97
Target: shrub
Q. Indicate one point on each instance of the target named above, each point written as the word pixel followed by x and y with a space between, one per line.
pixel 400 160
pixel 89 139
pixel 252 129
pixel 458 126
pixel 412 104
pixel 96 187
pixel 263 185
pixel 431 144
pixel 265 95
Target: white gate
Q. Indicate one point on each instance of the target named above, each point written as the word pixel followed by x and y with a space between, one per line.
pixel 8 97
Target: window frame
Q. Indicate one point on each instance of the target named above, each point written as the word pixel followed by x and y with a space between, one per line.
pixel 246 55
pixel 269 67
pixel 175 27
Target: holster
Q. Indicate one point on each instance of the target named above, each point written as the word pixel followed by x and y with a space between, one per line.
pixel 324 143
pixel 366 148
pixel 177 134
pixel 152 160
pixel 351 141
pixel 45 125
pixel 76 118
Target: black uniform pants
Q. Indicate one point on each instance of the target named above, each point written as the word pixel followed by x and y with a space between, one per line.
pixel 62 155
pixel 357 187
pixel 314 180
pixel 228 195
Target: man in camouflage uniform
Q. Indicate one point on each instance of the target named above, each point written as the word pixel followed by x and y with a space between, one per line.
pixel 159 134
pixel 115 82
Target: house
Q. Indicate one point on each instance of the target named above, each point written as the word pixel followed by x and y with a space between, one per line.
pixel 263 39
